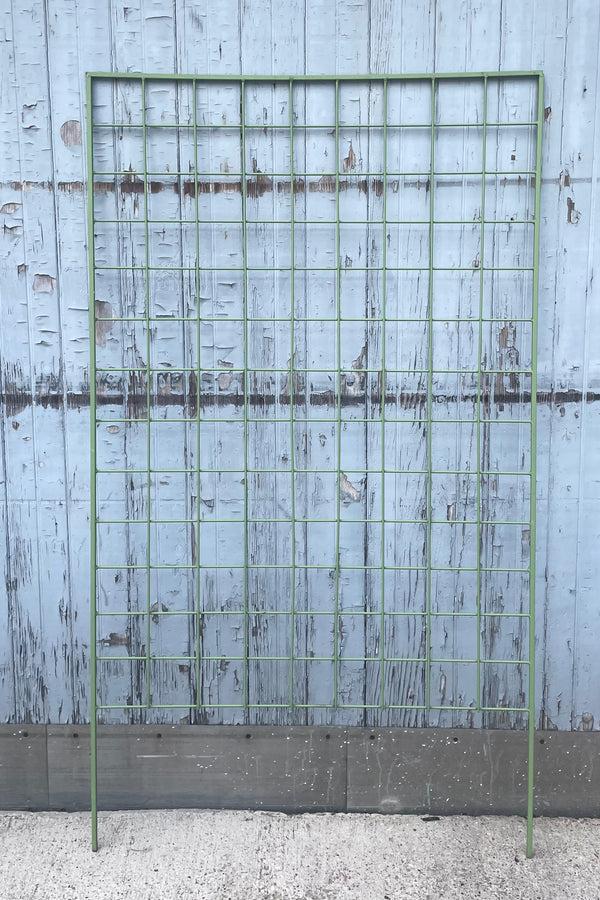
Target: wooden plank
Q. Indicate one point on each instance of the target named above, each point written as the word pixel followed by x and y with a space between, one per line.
pixel 271 43
pixel 208 41
pixel 66 91
pixel 548 49
pixel 587 675
pixel 38 296
pixel 566 302
pixel 10 206
pixel 397 50
pixel 65 137
pixel 211 43
pixel 480 46
pixel 393 49
pixel 357 348
pixel 581 133
pixel 270 681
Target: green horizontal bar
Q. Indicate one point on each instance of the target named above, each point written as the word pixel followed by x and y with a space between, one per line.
pixel 480 268
pixel 286 319
pixel 327 659
pixel 281 371
pixel 284 128
pixel 296 79
pixel 261 659
pixel 503 709
pixel 304 222
pixel 300 521
pixel 322 567
pixel 315 421
pixel 375 613
pixel 203 471
pixel 348 177
pixel 191 705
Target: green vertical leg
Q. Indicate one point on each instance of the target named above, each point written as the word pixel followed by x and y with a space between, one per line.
pixel 92 315
pixel 383 382
pixel 429 405
pixel 479 389
pixel 246 673
pixel 196 524
pixel 148 398
pixel 336 612
pixel 291 377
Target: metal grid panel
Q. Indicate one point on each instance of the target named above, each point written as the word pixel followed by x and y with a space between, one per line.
pixel 313 398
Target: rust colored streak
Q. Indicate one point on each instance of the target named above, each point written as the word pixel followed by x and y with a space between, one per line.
pixel 100 187
pixel 209 187
pixel 131 184
pixel 325 185
pixel 77 187
pixel 28 185
pixel 261 184
pixel 283 187
pixel 257 185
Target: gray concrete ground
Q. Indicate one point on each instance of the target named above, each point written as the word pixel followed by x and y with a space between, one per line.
pixel 271 856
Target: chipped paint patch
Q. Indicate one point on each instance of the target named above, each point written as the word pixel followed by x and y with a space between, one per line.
pixel 104 311
pixel 70 133
pixel 9 209
pixel 44 284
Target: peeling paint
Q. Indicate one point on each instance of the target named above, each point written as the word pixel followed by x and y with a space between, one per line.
pixel 70 133
pixel 9 209
pixel 104 311
pixel 44 284
pixel 573 215
pixel 349 163
pixel 349 493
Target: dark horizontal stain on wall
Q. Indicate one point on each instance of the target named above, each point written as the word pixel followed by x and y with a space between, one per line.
pixel 259 184
pixel 16 399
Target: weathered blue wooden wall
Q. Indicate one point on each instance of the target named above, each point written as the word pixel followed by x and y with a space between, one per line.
pixel 47 46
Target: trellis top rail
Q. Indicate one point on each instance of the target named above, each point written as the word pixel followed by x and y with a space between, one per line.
pixel 374 76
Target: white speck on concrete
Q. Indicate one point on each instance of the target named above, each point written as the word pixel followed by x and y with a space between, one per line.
pixel 251 855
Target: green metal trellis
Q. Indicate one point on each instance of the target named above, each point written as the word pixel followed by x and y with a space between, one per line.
pixel 185 265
